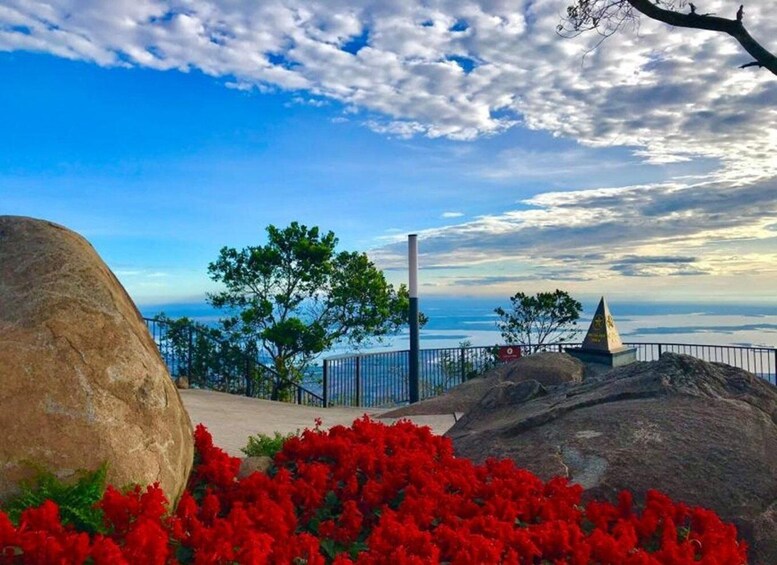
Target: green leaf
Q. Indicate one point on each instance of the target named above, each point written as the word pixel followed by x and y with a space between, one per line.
pixel 328 546
pixel 76 499
pixel 263 444
pixel 356 548
pixel 331 500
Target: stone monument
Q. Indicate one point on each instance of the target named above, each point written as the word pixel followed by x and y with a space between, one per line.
pixel 602 343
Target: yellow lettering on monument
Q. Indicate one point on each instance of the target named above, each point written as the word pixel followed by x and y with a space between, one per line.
pixel 602 334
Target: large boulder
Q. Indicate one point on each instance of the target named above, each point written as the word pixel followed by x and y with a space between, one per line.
pixel 703 433
pixel 546 368
pixel 81 381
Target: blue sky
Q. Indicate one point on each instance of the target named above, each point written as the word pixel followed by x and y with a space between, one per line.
pixel 644 170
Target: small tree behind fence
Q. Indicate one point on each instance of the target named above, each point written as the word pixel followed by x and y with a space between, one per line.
pixel 195 352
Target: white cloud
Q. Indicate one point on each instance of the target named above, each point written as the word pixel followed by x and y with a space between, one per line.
pixel 140 273
pixel 668 94
pixel 672 94
pixel 301 101
pixel 658 230
pixel 451 214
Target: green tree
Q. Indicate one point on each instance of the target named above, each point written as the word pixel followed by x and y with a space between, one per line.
pixel 608 16
pixel 466 363
pixel 296 297
pixel 547 317
pixel 209 357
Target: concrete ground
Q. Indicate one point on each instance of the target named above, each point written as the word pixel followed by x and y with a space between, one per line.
pixel 231 418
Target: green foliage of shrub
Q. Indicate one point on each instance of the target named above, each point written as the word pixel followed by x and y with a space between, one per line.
pixel 263 444
pixel 76 500
pixel 534 321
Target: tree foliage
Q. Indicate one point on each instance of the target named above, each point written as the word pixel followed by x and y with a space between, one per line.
pixel 547 317
pixel 608 16
pixel 205 355
pixel 465 363
pixel 296 297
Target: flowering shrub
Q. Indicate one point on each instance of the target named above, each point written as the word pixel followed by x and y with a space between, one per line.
pixel 372 494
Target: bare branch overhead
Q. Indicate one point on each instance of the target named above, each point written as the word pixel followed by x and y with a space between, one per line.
pixel 607 16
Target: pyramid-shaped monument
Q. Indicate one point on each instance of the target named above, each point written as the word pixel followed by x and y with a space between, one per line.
pixel 602 334
pixel 602 343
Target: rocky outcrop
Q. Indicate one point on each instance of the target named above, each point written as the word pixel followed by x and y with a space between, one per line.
pixel 545 368
pixel 703 433
pixel 81 381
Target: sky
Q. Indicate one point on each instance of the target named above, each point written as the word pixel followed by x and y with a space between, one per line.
pixel 641 167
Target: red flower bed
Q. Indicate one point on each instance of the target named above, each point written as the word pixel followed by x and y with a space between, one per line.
pixel 373 494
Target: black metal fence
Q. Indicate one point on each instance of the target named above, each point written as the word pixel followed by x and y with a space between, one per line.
pixel 210 363
pixel 381 379
pixel 761 361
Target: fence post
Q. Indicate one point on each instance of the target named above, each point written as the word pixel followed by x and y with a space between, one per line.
pixel 775 366
pixel 325 382
pixel 189 356
pixel 462 360
pixel 248 379
pixel 659 351
pixel 358 397
pixel 299 395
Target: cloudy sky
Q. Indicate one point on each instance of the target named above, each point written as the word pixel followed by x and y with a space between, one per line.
pixel 643 167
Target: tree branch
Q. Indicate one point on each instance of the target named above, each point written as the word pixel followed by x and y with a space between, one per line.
pixel 735 28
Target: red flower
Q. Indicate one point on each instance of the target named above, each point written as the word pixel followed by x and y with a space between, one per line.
pixel 372 494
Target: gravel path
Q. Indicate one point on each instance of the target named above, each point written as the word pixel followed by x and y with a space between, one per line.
pixel 232 418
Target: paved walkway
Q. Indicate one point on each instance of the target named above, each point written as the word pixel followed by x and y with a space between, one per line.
pixel 232 418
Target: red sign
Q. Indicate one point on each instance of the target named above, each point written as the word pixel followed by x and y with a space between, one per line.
pixel 509 352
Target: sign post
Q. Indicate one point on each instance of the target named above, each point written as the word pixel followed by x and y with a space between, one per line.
pixel 412 255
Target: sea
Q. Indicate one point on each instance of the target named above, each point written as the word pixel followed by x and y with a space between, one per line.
pixel 472 320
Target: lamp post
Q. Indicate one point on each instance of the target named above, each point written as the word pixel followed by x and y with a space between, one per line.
pixel 412 255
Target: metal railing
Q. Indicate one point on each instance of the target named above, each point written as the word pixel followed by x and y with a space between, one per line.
pixel 381 379
pixel 214 364
pixel 761 361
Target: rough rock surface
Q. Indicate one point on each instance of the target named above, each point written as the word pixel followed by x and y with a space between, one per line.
pixel 254 464
pixel 546 368
pixel 703 433
pixel 81 381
